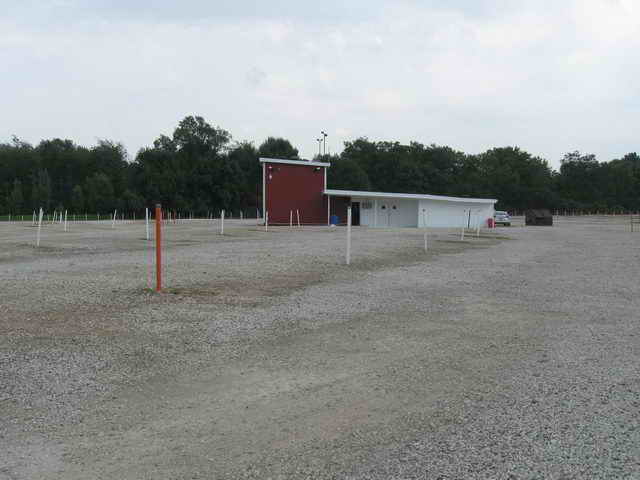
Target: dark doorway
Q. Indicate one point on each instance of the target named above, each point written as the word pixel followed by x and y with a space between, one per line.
pixel 355 213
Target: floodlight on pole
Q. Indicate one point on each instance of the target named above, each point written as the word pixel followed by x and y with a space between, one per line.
pixel 324 135
pixel 319 140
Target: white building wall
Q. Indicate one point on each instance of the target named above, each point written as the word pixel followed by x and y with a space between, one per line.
pixel 409 213
pixel 454 214
pixel 388 212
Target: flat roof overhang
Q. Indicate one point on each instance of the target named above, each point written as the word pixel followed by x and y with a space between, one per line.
pixel 306 163
pixel 408 196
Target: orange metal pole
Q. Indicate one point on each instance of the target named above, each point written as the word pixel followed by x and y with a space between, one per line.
pixel 158 247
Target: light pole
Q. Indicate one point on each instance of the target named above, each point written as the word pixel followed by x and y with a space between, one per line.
pixel 324 135
pixel 319 140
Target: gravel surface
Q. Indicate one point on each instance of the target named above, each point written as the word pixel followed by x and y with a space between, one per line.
pixel 513 355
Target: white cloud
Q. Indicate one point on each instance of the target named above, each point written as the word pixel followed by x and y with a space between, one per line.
pixel 548 76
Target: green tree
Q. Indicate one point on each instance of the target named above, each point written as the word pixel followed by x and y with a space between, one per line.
pixel 195 136
pixel 99 193
pixel 77 199
pixel 244 156
pixel 17 200
pixel 516 178
pixel 41 191
pixel 346 174
pixel 132 202
pixel 274 147
pixel 579 180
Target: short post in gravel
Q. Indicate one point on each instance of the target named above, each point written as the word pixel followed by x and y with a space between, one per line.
pixel 113 221
pixel 424 222
pixel 298 215
pixel 266 221
pixel 158 247
pixel 478 223
pixel 39 228
pixel 222 222
pixel 290 218
pixel 464 220
pixel 146 221
pixel 65 220
pixel 348 235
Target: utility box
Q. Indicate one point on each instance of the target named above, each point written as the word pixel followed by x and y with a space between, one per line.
pixel 538 217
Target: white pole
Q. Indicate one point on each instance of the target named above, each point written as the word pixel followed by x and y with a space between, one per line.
pixel 424 221
pixel 241 216
pixel 65 220
pixel 348 235
pixel 54 217
pixel 266 221
pixel 478 223
pixel 298 215
pixel 113 222
pixel 60 221
pixel 33 218
pixel 39 228
pixel 146 221
pixel 464 219
pixel 290 218
pixel 222 222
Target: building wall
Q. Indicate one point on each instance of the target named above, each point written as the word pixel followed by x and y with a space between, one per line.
pixel 453 214
pixel 408 213
pixel 300 187
pixel 290 187
pixel 386 212
pixel 339 207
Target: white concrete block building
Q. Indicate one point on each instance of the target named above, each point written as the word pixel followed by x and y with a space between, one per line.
pixel 381 209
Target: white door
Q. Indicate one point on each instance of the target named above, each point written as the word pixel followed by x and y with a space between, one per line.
pixel 383 215
pixel 393 215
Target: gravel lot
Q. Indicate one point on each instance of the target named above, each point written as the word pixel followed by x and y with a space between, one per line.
pixel 510 356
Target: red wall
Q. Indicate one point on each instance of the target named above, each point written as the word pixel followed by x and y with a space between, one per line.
pixel 339 207
pixel 290 187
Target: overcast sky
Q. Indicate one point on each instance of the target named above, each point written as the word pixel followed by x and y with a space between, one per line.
pixel 548 76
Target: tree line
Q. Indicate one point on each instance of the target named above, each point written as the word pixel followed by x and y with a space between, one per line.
pixel 200 169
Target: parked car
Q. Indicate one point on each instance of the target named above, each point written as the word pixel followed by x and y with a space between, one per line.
pixel 502 218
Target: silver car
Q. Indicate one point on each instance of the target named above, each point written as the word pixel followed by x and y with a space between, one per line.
pixel 502 218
